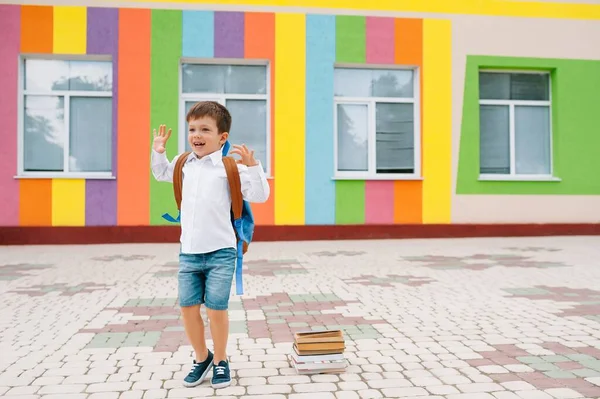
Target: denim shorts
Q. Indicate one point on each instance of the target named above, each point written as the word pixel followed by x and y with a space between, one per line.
pixel 206 278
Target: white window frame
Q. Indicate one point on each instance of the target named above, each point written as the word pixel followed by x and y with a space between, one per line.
pixel 513 175
pixel 222 98
pixel 67 94
pixel 371 102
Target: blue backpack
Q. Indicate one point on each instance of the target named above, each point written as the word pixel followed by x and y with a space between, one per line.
pixel 241 213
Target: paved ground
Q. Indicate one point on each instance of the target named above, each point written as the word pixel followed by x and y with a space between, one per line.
pixel 455 319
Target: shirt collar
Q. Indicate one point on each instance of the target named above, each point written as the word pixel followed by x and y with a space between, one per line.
pixel 215 157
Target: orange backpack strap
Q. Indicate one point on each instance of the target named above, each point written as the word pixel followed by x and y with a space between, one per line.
pixel 178 177
pixel 235 186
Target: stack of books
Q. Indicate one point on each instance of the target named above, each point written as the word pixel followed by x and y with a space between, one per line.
pixel 317 352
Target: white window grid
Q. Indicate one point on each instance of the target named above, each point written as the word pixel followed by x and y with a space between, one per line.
pixel 371 103
pixel 513 175
pixel 67 94
pixel 222 98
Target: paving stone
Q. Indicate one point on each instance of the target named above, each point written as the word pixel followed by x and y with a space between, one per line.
pixel 132 395
pixel 563 393
pixel 324 395
pixel 109 387
pixel 505 395
pixel 155 394
pixel 403 392
pixel 269 389
pixel 534 395
pixel 506 328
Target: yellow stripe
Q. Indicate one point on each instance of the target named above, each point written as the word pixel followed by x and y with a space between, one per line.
pixel 290 78
pixel 509 8
pixel 437 120
pixel 70 30
pixel 68 202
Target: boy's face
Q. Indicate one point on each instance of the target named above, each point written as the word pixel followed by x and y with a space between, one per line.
pixel 204 137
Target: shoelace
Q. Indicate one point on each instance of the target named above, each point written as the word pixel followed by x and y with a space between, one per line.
pixel 220 370
pixel 194 367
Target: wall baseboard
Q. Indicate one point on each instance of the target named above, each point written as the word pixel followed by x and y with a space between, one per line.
pixel 170 234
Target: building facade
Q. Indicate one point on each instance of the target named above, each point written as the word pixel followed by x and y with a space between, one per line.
pixel 441 113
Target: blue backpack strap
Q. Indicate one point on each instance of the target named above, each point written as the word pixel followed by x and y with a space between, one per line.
pixel 239 283
pixel 237 202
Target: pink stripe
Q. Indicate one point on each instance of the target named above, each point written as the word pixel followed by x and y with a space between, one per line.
pixel 380 40
pixel 10 32
pixel 379 195
pixel 379 202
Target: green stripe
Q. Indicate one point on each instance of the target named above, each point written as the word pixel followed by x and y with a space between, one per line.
pixel 164 100
pixel 350 202
pixel 350 45
pixel 351 39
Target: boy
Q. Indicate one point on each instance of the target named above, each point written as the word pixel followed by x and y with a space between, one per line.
pixel 207 256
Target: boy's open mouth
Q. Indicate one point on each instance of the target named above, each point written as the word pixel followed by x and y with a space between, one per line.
pixel 198 144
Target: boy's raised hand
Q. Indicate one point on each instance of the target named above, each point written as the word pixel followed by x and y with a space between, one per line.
pixel 161 138
pixel 245 153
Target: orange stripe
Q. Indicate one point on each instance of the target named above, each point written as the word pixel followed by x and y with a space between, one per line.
pixel 409 41
pixel 35 196
pixel 259 42
pixel 133 184
pixel 408 195
pixel 36 202
pixel 36 29
pixel 408 202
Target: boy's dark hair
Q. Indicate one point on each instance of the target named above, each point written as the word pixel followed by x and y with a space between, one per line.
pixel 213 110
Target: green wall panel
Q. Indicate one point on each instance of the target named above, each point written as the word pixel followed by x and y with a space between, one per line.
pixel 350 202
pixel 350 45
pixel 351 39
pixel 166 52
pixel 575 128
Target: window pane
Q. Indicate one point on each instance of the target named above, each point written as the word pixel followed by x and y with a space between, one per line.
pixel 494 139
pixel 90 76
pixel 514 86
pixel 529 86
pixel 494 86
pixel 44 133
pixel 249 126
pixel 352 135
pixel 203 78
pixel 232 79
pixel 46 75
pixel 90 142
pixel 532 140
pixel 351 82
pixel 395 138
pixel 246 79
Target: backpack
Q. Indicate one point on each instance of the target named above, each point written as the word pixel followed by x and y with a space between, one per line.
pixel 241 212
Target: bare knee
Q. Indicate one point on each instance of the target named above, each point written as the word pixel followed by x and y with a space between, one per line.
pixel 216 315
pixel 191 311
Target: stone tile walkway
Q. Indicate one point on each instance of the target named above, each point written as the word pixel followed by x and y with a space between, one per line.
pixel 455 319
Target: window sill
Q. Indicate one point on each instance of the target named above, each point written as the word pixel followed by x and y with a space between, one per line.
pixel 524 178
pixel 394 177
pixel 86 176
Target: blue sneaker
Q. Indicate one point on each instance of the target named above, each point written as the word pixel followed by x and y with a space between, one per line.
pixel 198 372
pixel 221 375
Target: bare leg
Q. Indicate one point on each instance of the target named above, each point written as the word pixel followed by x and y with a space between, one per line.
pixel 194 329
pixel 219 329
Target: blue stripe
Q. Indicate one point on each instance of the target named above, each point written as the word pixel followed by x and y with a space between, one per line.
pixel 198 34
pixel 320 58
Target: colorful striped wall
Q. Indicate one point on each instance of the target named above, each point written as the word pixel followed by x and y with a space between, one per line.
pixel 146 47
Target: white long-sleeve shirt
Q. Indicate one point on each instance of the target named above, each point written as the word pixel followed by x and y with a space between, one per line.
pixel 206 200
